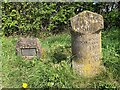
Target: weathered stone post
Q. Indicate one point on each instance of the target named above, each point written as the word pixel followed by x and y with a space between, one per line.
pixel 86 43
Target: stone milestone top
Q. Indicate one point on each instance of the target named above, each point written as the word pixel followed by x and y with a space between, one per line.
pixel 87 22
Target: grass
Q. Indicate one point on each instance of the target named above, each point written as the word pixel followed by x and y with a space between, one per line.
pixel 53 70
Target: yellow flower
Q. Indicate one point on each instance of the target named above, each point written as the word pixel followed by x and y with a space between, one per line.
pixel 24 85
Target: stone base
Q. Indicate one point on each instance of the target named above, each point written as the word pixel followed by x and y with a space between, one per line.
pixel 88 69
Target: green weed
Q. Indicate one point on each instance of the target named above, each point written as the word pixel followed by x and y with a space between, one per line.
pixel 55 69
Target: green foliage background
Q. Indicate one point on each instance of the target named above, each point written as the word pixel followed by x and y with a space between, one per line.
pixel 32 18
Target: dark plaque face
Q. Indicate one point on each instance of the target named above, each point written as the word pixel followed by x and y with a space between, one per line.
pixel 28 51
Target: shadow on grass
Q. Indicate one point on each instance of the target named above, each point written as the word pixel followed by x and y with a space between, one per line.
pixel 58 57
